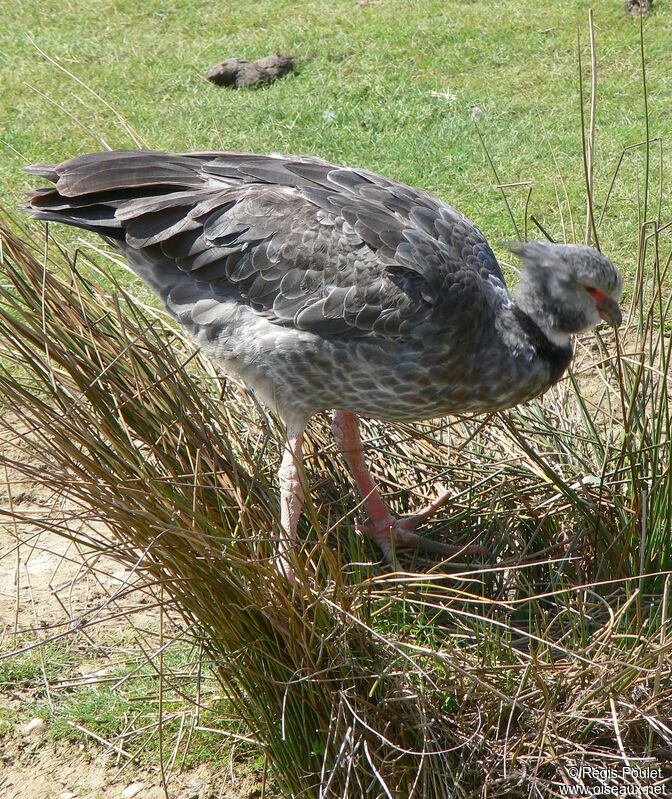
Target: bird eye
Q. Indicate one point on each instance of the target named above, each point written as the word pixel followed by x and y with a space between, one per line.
pixel 597 295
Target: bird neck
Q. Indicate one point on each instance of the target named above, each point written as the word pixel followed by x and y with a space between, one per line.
pixel 557 352
pixel 534 296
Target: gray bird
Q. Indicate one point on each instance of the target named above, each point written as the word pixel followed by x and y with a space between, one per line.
pixel 326 287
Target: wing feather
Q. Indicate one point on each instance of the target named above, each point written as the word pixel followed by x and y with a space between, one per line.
pixel 326 249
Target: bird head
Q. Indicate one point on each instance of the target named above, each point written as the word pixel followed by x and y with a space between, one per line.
pixel 567 288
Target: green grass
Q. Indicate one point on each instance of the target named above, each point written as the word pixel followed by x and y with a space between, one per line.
pixel 28 669
pixel 372 69
pixel 119 707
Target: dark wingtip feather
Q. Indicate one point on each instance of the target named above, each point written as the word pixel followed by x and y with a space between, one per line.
pixel 47 171
pixel 33 196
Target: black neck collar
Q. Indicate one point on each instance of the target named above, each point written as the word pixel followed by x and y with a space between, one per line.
pixel 558 357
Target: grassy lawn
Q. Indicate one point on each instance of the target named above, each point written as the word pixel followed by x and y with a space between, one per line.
pixel 558 658
pixel 365 94
pixel 64 683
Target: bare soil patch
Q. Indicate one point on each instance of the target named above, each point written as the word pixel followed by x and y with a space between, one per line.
pixel 52 588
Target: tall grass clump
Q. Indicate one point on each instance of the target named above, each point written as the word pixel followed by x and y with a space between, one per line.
pixel 114 412
pixel 545 673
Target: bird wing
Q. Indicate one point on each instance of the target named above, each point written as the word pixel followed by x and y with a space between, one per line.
pixel 322 248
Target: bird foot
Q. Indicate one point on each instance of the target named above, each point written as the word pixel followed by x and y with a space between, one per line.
pixel 391 534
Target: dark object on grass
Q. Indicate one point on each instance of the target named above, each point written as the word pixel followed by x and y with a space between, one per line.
pixel 240 73
pixel 638 8
pixel 326 287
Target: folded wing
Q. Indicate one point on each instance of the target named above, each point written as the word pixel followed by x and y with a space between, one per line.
pixel 324 249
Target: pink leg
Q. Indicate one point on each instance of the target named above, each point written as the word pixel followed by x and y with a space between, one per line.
pixel 292 496
pixel 387 531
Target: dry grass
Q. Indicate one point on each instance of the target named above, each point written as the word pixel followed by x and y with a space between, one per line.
pixel 355 682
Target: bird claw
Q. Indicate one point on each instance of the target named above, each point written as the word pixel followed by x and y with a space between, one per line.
pixel 399 533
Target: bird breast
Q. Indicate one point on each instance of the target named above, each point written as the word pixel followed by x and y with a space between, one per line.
pixel 299 373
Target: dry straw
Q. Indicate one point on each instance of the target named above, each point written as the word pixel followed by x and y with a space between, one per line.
pixel 353 682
